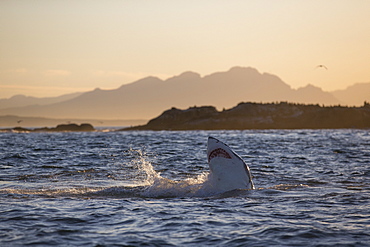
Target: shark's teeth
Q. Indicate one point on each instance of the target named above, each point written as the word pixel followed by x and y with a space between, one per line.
pixel 219 152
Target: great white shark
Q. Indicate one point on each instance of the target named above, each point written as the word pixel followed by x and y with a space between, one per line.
pixel 227 170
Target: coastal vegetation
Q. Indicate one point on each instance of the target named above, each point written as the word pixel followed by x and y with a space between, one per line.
pixel 282 115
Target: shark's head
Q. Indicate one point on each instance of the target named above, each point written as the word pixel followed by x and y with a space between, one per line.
pixel 228 170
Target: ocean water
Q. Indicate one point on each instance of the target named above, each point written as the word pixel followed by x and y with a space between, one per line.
pixel 149 189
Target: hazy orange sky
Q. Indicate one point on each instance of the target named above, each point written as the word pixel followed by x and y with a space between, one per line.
pixel 49 48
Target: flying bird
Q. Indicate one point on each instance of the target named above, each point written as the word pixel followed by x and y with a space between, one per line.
pixel 321 66
pixel 19 121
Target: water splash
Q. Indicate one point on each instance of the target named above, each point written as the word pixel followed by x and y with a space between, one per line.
pixel 158 186
pixel 164 187
pixel 144 167
pixel 154 185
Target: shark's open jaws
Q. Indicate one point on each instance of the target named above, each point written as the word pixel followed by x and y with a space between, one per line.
pixel 227 170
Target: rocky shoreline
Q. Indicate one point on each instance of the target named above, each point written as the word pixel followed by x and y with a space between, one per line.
pixel 249 115
pixel 59 128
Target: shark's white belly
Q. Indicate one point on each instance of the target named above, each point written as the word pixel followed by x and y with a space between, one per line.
pixel 226 175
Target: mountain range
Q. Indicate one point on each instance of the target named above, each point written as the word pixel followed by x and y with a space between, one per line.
pixel 147 97
pixel 22 100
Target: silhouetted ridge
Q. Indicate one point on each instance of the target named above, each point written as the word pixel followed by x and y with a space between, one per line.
pixel 147 81
pixel 175 118
pixel 281 115
pixel 189 75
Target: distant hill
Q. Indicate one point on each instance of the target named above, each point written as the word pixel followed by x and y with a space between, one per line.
pixel 361 90
pixel 71 127
pixel 22 100
pixel 261 116
pixel 145 98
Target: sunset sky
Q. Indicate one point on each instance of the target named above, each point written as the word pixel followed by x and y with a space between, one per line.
pixel 50 48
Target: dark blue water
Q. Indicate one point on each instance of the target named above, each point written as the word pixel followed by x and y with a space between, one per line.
pixel 148 189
